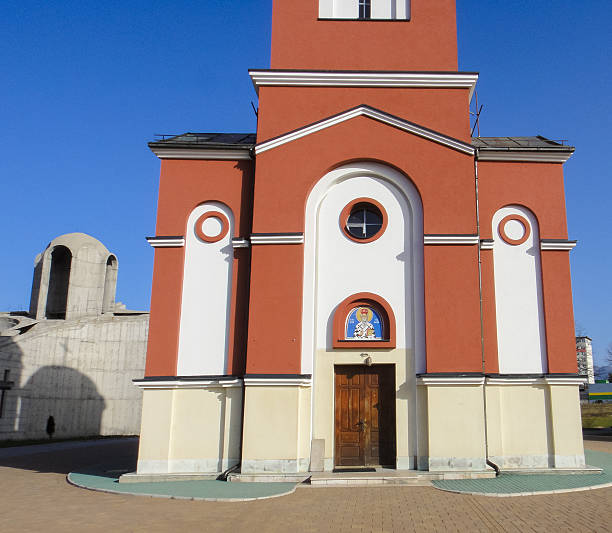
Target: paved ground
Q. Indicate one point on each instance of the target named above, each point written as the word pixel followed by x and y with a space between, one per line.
pixel 34 496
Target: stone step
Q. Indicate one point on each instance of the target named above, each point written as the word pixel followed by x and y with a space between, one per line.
pixel 392 477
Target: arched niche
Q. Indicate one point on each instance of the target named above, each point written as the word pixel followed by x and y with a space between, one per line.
pixel 110 284
pixel 59 280
pixel 364 320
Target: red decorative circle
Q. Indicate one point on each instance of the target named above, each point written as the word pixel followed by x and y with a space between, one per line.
pixel 344 215
pixel 522 221
pixel 212 214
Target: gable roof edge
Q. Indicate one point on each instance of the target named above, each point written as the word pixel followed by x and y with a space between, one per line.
pixel 375 114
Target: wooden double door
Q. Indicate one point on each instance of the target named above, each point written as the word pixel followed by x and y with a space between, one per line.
pixel 365 416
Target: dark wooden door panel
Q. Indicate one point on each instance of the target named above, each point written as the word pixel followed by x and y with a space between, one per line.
pixel 365 415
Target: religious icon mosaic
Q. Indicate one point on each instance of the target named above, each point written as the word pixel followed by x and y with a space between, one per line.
pixel 363 323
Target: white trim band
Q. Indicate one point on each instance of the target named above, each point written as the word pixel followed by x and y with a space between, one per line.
pixel 375 115
pixel 201 153
pixel 166 242
pixel 579 380
pixel 238 242
pixel 278 382
pixel 450 380
pixel 277 238
pixel 515 381
pixel 531 157
pixel 450 239
pixel 486 244
pixel 557 245
pixel 188 383
pixel 429 80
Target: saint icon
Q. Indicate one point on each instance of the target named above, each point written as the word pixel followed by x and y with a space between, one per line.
pixel 364 329
pixel 363 323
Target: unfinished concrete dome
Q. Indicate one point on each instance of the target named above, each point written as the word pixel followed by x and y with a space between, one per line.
pixel 75 276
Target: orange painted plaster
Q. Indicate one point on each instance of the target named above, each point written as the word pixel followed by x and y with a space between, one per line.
pixel 283 109
pixel 275 314
pixel 489 313
pixel 162 344
pixel 537 186
pixel 558 311
pixel 286 174
pixel 452 310
pixel 427 42
pixel 185 184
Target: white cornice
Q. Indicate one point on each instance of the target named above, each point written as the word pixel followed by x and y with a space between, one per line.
pixel 240 243
pixel 375 115
pixel 557 245
pixel 570 380
pixel 166 242
pixel 429 80
pixel 277 238
pixel 525 156
pixel 188 384
pixel 451 239
pixel 278 382
pixel 515 381
pixel 450 380
pixel 169 152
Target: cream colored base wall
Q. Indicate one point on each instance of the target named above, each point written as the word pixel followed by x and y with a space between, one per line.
pixel 456 427
pixel 190 430
pixel 534 426
pixel 405 404
pixel 276 434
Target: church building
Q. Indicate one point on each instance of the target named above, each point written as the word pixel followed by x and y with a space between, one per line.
pixel 361 283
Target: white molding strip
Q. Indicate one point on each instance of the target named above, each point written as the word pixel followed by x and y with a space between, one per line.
pixel 486 244
pixel 239 242
pixel 277 238
pixel 166 242
pixel 374 114
pixel 315 78
pixel 278 382
pixel 526 156
pixel 570 380
pixel 169 152
pixel 208 383
pixel 450 380
pixel 451 239
pixel 550 244
pixel 515 381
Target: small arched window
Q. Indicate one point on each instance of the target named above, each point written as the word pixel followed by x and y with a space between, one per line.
pixel 364 320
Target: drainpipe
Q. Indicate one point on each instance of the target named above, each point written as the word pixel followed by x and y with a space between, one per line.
pixel 482 350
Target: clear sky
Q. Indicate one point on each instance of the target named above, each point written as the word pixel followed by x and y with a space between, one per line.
pixel 85 85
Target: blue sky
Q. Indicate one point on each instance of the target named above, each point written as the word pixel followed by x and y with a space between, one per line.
pixel 86 84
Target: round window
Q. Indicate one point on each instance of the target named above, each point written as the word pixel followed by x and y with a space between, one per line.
pixel 363 220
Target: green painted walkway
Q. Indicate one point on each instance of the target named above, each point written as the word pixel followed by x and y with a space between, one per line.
pixel 190 490
pixel 516 484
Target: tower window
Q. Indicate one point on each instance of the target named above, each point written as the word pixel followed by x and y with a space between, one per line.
pixel 365 9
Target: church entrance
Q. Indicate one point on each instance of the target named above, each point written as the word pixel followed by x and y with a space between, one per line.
pixel 365 416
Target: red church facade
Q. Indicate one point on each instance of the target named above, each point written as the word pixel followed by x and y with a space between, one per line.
pixel 361 283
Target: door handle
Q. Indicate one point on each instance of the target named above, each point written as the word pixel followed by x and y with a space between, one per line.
pixel 363 424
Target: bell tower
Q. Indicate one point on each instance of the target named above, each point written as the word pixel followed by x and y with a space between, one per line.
pixel 403 35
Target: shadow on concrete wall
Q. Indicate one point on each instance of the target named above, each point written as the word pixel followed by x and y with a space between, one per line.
pixel 65 394
pixel 10 379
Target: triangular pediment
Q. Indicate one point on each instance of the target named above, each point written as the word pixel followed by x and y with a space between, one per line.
pixel 371 113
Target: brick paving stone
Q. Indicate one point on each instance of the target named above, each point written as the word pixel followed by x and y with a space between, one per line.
pixel 35 497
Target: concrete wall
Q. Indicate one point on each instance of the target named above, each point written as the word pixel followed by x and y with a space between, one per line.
pixel 78 371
